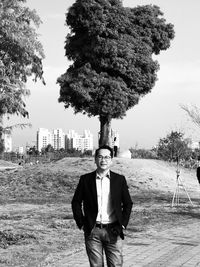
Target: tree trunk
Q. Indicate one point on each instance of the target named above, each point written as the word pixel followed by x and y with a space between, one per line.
pixel 105 131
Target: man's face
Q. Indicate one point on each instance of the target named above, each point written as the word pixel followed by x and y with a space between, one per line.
pixel 103 160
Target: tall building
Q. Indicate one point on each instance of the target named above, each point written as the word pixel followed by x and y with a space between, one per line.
pixel 7 138
pixel 20 150
pixel 44 138
pixel 69 137
pixel 58 139
pixel 80 142
pixel 55 138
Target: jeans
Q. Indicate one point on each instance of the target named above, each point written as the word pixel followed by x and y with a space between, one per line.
pixel 101 241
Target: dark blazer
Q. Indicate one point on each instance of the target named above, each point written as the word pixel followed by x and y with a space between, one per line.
pixel 85 205
pixel 198 174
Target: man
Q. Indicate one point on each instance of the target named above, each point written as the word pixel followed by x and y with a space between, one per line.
pixel 101 207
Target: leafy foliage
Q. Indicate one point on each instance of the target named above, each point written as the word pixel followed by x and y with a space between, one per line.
pixel 49 148
pixel 111 48
pixel 33 151
pixel 21 55
pixel 8 238
pixel 143 153
pixel 173 147
pixel 2 147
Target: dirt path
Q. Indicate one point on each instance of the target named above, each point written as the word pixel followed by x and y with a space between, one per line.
pixel 177 246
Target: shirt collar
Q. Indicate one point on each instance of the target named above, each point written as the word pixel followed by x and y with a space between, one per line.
pixel 101 177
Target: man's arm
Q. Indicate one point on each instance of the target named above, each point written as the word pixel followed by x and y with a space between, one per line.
pixel 126 203
pixel 77 204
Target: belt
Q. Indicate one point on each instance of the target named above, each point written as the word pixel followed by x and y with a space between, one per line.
pixel 105 225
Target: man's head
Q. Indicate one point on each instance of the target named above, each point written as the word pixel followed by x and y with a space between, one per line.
pixel 103 158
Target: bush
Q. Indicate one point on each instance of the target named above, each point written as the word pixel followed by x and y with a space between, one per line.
pixel 143 153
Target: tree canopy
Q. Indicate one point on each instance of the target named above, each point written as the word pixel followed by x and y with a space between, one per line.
pixel 173 147
pixel 111 48
pixel 21 55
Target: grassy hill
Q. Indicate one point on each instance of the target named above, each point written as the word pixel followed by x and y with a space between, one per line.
pixel 56 181
pixel 36 222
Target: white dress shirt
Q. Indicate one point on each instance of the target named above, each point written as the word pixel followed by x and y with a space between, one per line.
pixel 105 210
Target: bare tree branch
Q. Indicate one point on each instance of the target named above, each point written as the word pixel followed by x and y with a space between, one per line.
pixel 193 112
pixel 18 125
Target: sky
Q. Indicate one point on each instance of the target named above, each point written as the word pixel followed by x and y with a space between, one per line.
pixel 156 115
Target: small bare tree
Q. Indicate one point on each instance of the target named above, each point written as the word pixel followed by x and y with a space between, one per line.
pixel 193 112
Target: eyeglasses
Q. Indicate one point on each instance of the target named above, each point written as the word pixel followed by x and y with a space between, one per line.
pixel 102 157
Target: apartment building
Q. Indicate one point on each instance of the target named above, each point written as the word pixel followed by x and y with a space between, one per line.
pixel 55 138
pixel 80 142
pixel 58 139
pixel 43 139
pixel 7 138
pixel 20 150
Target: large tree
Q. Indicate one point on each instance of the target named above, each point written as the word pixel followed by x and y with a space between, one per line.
pixel 21 55
pixel 111 48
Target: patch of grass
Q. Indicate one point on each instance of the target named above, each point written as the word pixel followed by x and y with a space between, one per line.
pixel 8 238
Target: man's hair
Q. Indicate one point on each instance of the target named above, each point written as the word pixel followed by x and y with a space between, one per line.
pixel 104 147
